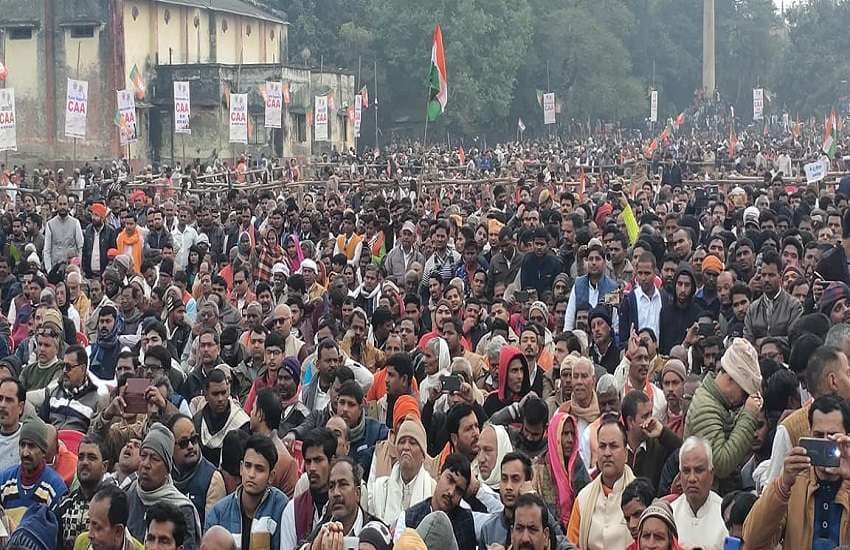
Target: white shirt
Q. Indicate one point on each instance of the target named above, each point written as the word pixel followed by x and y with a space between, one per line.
pixel 648 310
pixel 705 529
pixel 781 448
pixel 183 241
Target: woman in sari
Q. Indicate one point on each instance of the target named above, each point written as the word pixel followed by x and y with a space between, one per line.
pixel 270 253
pixel 293 254
pixel 560 474
pixel 437 362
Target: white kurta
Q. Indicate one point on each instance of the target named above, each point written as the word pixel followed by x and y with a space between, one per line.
pixel 705 529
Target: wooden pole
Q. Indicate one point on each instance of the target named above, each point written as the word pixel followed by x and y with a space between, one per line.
pixel 77 76
pixel 376 105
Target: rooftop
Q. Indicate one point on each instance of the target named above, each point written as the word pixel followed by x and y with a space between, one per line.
pixel 235 7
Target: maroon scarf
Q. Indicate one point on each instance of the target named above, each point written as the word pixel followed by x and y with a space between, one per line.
pixel 28 480
pixel 303 514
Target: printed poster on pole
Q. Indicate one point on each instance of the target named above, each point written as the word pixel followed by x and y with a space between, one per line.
pixel 181 107
pixel 358 114
pixel 239 118
pixel 758 103
pixel 76 106
pixel 127 117
pixel 549 108
pixel 274 101
pixel 653 106
pixel 321 118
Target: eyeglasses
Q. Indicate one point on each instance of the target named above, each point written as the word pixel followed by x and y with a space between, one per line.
pixel 186 441
pixel 70 366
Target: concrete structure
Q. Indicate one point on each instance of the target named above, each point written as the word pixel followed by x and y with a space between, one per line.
pixel 708 79
pixel 215 44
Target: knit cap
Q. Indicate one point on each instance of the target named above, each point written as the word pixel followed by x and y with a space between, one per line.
pixel 412 428
pixel 52 319
pixel 293 367
pixel 436 531
pixel 161 441
pixel 376 534
pixel 34 429
pixel 741 363
pixel 600 312
pixel 660 509
pixel 712 263
pixel 675 366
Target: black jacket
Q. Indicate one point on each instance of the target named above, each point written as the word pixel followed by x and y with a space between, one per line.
pixel 676 318
pixel 107 241
pixel 539 273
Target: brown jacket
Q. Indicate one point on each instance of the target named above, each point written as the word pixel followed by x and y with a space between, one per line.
pixel 767 524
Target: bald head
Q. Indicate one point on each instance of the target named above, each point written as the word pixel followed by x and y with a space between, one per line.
pixel 217 538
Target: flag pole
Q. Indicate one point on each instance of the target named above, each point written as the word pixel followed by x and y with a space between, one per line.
pixel 376 105
pixel 427 101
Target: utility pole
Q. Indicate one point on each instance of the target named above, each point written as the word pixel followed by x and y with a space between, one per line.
pixel 708 77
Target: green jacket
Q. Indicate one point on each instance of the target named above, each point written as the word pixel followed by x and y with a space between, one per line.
pixel 83 543
pixel 730 434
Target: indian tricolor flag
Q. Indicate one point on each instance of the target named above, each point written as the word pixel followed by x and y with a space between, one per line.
pixel 438 79
pixel 830 135
pixel 138 80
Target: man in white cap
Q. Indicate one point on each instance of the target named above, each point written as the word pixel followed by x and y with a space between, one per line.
pixel 713 414
pixel 310 272
pixel 279 282
pixel 400 259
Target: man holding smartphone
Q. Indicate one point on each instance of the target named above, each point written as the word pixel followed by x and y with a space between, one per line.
pixel 813 495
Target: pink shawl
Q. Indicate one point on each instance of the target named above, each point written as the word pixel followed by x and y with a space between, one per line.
pixel 562 473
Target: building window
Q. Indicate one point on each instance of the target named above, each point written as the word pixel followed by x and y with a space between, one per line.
pixel 135 13
pixel 248 30
pixel 271 36
pixel 259 137
pixel 300 127
pixel 166 16
pixel 224 25
pixel 344 126
pixel 82 31
pixel 20 33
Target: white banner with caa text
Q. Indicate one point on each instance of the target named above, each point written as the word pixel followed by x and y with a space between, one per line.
pixel 181 107
pixel 239 118
pixel 321 119
pixel 758 103
pixel 127 117
pixel 274 100
pixel 76 105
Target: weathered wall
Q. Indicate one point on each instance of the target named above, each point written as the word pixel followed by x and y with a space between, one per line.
pixel 210 115
pixel 183 42
pixel 40 66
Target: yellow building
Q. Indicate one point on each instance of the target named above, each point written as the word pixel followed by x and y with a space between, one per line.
pixel 233 42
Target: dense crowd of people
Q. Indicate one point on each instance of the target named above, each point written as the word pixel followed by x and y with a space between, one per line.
pixel 535 346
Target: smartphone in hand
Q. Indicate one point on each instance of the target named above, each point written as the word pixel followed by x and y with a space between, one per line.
pixel 134 395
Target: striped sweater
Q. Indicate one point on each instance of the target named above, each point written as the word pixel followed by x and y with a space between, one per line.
pixel 16 498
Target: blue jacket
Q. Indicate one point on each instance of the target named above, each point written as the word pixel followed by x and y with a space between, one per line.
pixel 606 285
pixel 265 528
pixel 361 451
